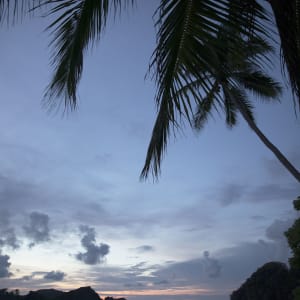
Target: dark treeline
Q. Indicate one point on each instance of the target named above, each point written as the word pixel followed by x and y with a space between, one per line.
pixel 85 293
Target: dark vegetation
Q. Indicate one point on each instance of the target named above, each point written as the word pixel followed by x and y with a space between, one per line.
pixel 83 293
pixel 274 280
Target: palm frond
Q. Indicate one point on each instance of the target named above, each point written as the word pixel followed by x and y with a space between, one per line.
pixel 159 138
pixel 12 11
pixel 176 64
pixel 239 99
pixel 205 106
pixel 182 55
pixel 287 18
pixel 187 48
pixel 259 83
pixel 229 106
pixel 78 24
pixel 239 51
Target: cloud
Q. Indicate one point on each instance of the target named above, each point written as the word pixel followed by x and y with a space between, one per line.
pixel 258 218
pixel 15 193
pixel 202 270
pixel 135 285
pixel 140 269
pixel 274 192
pixel 231 193
pixel 228 267
pixel 94 253
pixel 161 282
pixel 275 232
pixel 38 228
pixel 275 168
pixel 4 266
pixel 27 277
pixel 211 266
pixel 235 193
pixel 144 248
pixel 55 276
pixel 8 236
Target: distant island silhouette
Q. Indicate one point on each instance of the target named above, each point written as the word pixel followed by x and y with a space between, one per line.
pixel 86 293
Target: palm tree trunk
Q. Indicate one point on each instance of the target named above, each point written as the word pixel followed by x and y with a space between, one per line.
pixel 266 141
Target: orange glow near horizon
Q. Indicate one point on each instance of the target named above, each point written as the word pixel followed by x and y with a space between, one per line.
pixel 166 292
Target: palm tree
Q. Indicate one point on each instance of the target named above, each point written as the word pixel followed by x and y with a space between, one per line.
pixel 190 58
pixel 186 53
pixel 233 77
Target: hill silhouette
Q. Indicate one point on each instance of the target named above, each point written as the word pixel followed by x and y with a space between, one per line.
pixel 86 293
pixel 272 281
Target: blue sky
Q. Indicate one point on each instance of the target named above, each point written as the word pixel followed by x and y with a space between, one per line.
pixel 72 209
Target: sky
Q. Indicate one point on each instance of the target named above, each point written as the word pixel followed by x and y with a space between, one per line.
pixel 73 211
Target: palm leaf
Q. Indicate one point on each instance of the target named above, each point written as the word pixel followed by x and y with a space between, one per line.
pixel 259 83
pixel 205 106
pixel 78 24
pixel 14 10
pixel 185 50
pixel 287 17
pixel 229 106
pixel 239 99
pixel 176 64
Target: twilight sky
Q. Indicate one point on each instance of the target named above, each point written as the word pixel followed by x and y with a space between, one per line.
pixel 72 209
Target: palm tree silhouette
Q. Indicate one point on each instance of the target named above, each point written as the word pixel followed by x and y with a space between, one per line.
pixel 185 61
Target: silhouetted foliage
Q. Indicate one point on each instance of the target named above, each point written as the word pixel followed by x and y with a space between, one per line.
pixel 10 295
pixel 83 293
pixel 186 52
pixel 273 281
pixel 293 237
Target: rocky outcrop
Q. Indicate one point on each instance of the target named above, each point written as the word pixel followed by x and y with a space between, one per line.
pixel 273 281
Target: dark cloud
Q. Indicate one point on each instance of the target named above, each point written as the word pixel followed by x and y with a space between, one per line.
pixel 55 276
pixel 211 266
pixel 144 248
pixel 4 266
pixel 38 228
pixel 94 253
pixel 8 236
